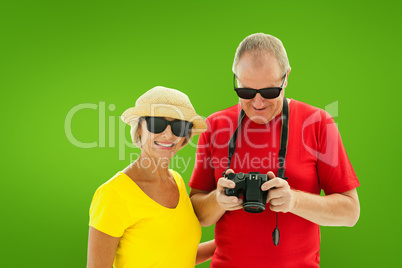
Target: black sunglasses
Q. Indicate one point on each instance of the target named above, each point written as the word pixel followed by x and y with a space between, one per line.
pixel 156 125
pixel 267 93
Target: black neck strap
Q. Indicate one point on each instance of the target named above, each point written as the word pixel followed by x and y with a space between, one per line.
pixel 284 139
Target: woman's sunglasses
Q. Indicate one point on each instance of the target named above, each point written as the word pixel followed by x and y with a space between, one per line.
pixel 267 93
pixel 156 125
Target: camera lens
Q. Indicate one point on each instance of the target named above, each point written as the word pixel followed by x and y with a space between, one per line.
pixel 253 207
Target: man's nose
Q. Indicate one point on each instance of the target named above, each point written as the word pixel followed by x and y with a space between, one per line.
pixel 258 101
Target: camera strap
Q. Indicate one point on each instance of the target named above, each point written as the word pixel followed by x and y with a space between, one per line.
pixel 283 143
pixel 232 141
pixel 284 139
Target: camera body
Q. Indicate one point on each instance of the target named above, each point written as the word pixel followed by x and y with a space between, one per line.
pixel 249 186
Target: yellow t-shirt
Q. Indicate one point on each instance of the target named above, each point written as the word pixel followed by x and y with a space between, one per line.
pixel 151 234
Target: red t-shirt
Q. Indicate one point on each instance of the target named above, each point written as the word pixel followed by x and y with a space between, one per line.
pixel 315 160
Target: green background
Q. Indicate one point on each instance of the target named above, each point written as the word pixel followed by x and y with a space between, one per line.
pixel 56 55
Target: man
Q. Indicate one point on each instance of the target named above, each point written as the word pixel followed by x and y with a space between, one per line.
pixel 315 160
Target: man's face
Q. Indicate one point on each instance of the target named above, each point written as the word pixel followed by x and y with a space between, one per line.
pixel 257 76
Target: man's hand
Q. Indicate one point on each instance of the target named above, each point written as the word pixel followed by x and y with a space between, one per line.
pixel 280 196
pixel 224 201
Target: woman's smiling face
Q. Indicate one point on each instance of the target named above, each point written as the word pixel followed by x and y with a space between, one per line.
pixel 160 145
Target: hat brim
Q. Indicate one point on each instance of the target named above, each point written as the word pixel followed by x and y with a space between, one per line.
pixel 166 110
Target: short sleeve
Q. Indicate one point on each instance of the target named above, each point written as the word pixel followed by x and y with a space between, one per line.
pixel 108 212
pixel 334 169
pixel 203 177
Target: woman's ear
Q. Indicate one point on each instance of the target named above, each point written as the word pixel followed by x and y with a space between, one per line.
pixel 135 132
pixel 186 140
pixel 138 133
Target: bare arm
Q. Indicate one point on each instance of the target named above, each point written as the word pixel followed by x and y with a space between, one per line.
pixel 205 251
pixel 210 206
pixel 101 249
pixel 340 209
pixel 205 206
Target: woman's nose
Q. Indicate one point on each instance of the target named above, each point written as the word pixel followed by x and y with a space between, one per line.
pixel 167 132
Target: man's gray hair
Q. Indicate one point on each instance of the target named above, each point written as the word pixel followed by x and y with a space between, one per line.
pixel 259 43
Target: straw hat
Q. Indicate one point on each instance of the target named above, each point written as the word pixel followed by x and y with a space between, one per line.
pixel 165 102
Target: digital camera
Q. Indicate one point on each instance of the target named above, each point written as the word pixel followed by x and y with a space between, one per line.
pixel 249 186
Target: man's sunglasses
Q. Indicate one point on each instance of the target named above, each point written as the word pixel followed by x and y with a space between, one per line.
pixel 157 125
pixel 267 93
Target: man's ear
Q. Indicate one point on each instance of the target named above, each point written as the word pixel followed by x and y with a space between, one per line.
pixel 287 77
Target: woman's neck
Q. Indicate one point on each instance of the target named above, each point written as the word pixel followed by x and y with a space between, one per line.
pixel 150 168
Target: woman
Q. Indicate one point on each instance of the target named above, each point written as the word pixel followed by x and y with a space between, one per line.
pixel 143 217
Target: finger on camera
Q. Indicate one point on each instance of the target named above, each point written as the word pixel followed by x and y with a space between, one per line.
pixel 272 183
pixel 236 204
pixel 276 202
pixel 225 183
pixel 229 171
pixel 231 203
pixel 229 199
pixel 271 175
pixel 235 208
pixel 280 208
pixel 274 194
